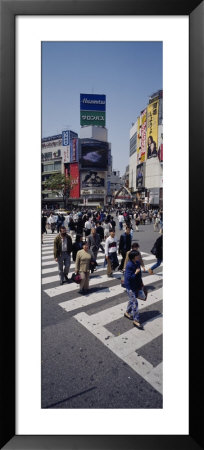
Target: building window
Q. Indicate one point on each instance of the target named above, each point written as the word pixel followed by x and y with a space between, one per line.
pixel 133 144
pixel 48 168
pixel 57 165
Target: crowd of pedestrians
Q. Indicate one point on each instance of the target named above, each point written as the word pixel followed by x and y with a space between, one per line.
pixel 83 234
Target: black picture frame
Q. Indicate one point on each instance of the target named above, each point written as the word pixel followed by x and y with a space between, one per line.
pixel 8 11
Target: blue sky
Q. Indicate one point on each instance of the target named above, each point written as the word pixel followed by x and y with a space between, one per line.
pixel 126 72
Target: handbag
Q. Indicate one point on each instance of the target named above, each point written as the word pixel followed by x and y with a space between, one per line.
pixel 76 277
pixel 122 281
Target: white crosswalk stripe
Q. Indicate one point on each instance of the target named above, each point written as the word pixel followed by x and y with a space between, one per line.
pixel 126 345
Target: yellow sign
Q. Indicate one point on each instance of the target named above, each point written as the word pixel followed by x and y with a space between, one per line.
pixel 152 129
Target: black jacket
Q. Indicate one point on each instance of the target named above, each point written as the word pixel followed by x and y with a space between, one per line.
pixel 125 243
pixel 159 247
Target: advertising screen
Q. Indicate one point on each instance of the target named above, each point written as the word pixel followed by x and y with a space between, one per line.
pixel 92 178
pixel 94 155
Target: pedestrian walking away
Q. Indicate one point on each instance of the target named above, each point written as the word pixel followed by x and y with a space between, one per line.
pixel 83 265
pixel 120 220
pixel 124 246
pixel 100 231
pixel 133 284
pixel 62 252
pixel 52 222
pixel 87 227
pixel 111 253
pixel 157 250
pixel 76 246
pixel 72 227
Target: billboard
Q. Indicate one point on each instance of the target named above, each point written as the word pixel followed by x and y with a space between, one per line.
pixel 92 110
pixel 74 151
pixel 67 136
pixel 92 179
pixel 93 118
pixel 92 102
pixel 152 129
pixel 94 155
pixel 138 141
pixel 140 176
pixel 75 182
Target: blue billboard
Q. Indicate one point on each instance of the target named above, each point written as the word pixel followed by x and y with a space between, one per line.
pixel 92 102
pixel 67 136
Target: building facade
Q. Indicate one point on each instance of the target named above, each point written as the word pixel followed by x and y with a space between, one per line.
pixel 146 154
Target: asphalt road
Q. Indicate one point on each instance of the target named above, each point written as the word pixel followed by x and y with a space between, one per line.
pixel 93 357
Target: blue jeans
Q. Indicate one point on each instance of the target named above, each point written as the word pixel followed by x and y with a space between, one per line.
pixel 63 260
pixel 157 264
pixel 132 307
pixel 120 225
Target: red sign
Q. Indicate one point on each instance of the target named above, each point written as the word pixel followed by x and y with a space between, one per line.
pixel 75 184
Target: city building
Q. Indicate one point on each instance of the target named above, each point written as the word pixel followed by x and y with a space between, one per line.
pixel 56 152
pixel 146 154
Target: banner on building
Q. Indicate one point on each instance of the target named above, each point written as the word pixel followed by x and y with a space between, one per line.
pixel 66 154
pixel 74 153
pixel 92 179
pixel 138 141
pixel 152 129
pixel 75 182
pixel 143 135
pixel 140 176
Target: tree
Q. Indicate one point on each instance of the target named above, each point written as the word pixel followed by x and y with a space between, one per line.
pixel 59 183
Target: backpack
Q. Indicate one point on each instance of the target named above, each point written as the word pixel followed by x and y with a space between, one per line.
pixel 154 249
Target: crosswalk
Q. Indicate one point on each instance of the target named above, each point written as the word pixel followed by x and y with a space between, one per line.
pixel 107 293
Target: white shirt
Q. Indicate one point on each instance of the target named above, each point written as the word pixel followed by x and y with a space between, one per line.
pixel 110 245
pixel 64 244
pixel 51 219
pixel 121 218
pixel 88 225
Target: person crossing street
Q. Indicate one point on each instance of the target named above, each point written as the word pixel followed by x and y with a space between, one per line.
pixel 111 253
pixel 62 251
pixel 124 246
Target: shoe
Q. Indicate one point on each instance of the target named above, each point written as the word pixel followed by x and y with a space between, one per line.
pixel 138 325
pixel 150 271
pixel 110 276
pixel 129 316
pixel 61 282
pixel 66 278
pixel 81 291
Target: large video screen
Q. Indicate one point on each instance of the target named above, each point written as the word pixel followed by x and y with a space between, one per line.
pixel 94 155
pixel 92 179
